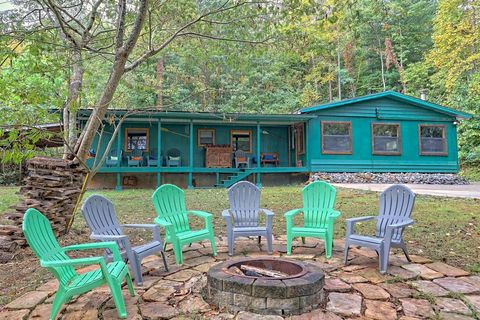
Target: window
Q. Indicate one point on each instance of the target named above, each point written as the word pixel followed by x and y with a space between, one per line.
pixel 241 140
pixel 432 140
pixel 136 138
pixel 336 137
pixel 300 138
pixel 206 137
pixel 386 139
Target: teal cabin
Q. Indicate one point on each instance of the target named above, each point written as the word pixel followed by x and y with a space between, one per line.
pixel 384 132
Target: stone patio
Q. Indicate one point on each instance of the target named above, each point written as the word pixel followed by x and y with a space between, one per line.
pixel 418 290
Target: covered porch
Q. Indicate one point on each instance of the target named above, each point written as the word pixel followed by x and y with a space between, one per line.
pixel 208 149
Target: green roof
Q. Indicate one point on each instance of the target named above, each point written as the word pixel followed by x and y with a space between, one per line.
pixel 392 95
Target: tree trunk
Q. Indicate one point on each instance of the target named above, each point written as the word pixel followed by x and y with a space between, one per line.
pixel 160 74
pixel 339 74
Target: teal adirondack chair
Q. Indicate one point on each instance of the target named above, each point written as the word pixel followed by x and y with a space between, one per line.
pixel 169 203
pixel 41 239
pixel 318 216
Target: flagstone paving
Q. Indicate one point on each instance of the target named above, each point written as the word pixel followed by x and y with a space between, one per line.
pixel 418 290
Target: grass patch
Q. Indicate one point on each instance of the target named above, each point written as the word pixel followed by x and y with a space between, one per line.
pixel 446 229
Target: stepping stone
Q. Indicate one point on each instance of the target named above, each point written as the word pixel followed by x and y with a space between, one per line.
pixel 424 272
pixel 447 270
pixel 371 291
pixel 398 290
pixel 429 287
pixel 474 301
pixel 244 315
pixel 352 278
pixel 317 314
pixel 454 316
pixel 456 285
pixel 14 315
pixel 182 275
pixel 380 310
pixel 158 310
pixel 345 304
pixel 337 285
pixel 199 260
pixel 354 267
pixel 193 304
pixel 417 308
pixel 28 301
pixel 373 275
pixel 90 314
pixel 402 273
pixel 419 259
pixel 205 267
pixel 49 286
pixel 473 280
pixel 161 291
pixel 452 306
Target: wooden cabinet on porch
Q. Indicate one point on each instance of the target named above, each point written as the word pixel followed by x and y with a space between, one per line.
pixel 218 156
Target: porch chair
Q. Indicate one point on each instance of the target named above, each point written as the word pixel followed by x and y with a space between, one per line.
pixel 135 159
pixel 40 237
pixel 269 157
pixel 153 156
pixel 318 216
pixel 99 213
pixel 396 206
pixel 113 159
pixel 241 158
pixel 244 199
pixel 174 158
pixel 169 203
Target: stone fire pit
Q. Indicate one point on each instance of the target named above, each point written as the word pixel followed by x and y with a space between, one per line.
pixel 288 287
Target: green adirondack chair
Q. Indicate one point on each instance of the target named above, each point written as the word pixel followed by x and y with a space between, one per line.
pixel 41 239
pixel 318 216
pixel 169 203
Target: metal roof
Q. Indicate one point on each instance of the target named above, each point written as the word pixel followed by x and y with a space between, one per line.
pixel 393 95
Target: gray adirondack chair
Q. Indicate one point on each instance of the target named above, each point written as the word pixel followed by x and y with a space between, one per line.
pixel 241 158
pixel 243 216
pixel 396 206
pixel 99 213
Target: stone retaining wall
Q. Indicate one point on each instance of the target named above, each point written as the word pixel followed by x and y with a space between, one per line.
pixel 369 177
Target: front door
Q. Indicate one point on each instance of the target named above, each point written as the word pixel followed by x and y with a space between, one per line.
pixel 299 140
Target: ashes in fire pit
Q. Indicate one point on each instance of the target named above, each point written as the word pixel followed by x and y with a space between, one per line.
pixel 265 286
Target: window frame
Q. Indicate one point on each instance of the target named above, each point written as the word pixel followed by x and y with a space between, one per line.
pixel 322 127
pixel 444 136
pixel 249 132
pixel 399 139
pixel 297 138
pixel 147 133
pixel 205 129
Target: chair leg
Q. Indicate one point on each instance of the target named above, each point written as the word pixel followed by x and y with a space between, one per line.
pixel 177 249
pixel 214 246
pixel 328 246
pixel 345 253
pixel 405 252
pixel 259 240
pixel 116 289
pixel 128 278
pixel 269 242
pixel 383 257
pixel 231 244
pixel 303 240
pixel 57 303
pixel 137 270
pixel 164 260
pixel 289 244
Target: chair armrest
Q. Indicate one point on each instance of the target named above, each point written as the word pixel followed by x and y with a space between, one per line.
pixel 152 227
pixel 97 245
pixel 201 214
pixel 401 224
pixel 226 213
pixel 267 212
pixel 73 262
pixel 333 215
pixel 291 213
pixel 359 219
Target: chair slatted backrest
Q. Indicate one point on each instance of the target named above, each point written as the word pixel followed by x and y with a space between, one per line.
pixel 244 199
pixel 169 202
pixel 40 237
pixel 396 205
pixel 99 212
pixel 318 201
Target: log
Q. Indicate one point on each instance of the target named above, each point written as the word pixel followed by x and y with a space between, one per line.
pixel 264 272
pixel 236 270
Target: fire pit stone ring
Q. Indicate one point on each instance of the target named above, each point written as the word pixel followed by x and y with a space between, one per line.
pixel 295 287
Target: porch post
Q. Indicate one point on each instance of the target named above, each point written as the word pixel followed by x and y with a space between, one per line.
pixel 190 161
pixel 305 147
pixel 159 153
pixel 259 134
pixel 118 187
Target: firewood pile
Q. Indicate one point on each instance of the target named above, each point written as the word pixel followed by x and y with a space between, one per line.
pixel 52 186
